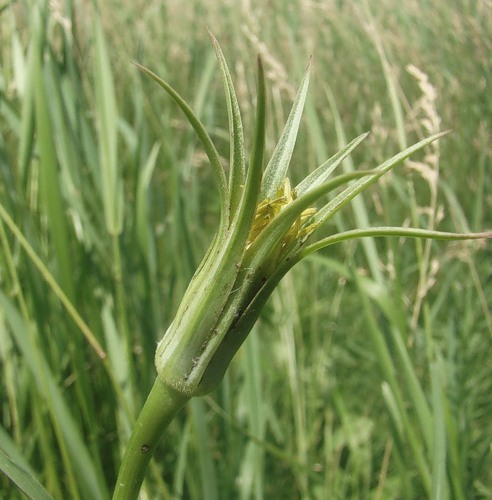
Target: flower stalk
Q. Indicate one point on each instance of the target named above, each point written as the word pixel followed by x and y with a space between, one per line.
pixel 158 411
pixel 264 229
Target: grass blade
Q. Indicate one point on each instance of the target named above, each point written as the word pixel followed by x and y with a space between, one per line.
pixel 77 461
pixel 439 466
pixel 48 277
pixel 49 183
pixel 107 119
pixel 24 480
pixel 208 474
pixel 142 209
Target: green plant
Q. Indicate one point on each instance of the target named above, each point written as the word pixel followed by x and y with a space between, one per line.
pixel 367 374
pixel 263 232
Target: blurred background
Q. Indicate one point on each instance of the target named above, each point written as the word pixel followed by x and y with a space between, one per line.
pixel 368 374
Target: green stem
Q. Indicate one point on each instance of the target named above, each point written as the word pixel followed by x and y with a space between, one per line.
pixel 160 408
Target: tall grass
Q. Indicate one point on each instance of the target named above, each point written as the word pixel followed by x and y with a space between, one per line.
pixel 368 375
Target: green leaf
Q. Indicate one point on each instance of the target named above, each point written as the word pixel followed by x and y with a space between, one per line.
pixel 204 138
pixel 237 160
pixel 107 119
pixel 276 170
pixel 28 88
pixel 52 283
pixel 439 446
pixel 250 196
pixel 142 219
pixel 357 187
pixel 49 182
pixel 205 454
pixel 318 176
pixel 24 480
pixel 402 232
pixel 76 456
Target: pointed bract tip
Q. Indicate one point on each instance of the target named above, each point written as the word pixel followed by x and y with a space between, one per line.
pixel 140 66
pixel 212 36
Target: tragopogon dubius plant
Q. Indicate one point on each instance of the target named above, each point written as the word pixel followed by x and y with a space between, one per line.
pixel 265 228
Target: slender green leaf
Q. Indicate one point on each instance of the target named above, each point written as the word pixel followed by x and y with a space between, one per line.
pixel 11 449
pixel 24 480
pixel 415 389
pixel 107 119
pixel 439 483
pixel 318 176
pixel 48 277
pixel 237 154
pixel 49 184
pixel 401 232
pixel 276 170
pixel 205 139
pixel 389 370
pixel 142 219
pixel 353 190
pixel 207 469
pixel 70 440
pixel 249 198
pixel 251 477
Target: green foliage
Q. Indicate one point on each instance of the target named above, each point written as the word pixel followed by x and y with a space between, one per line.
pixel 368 374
